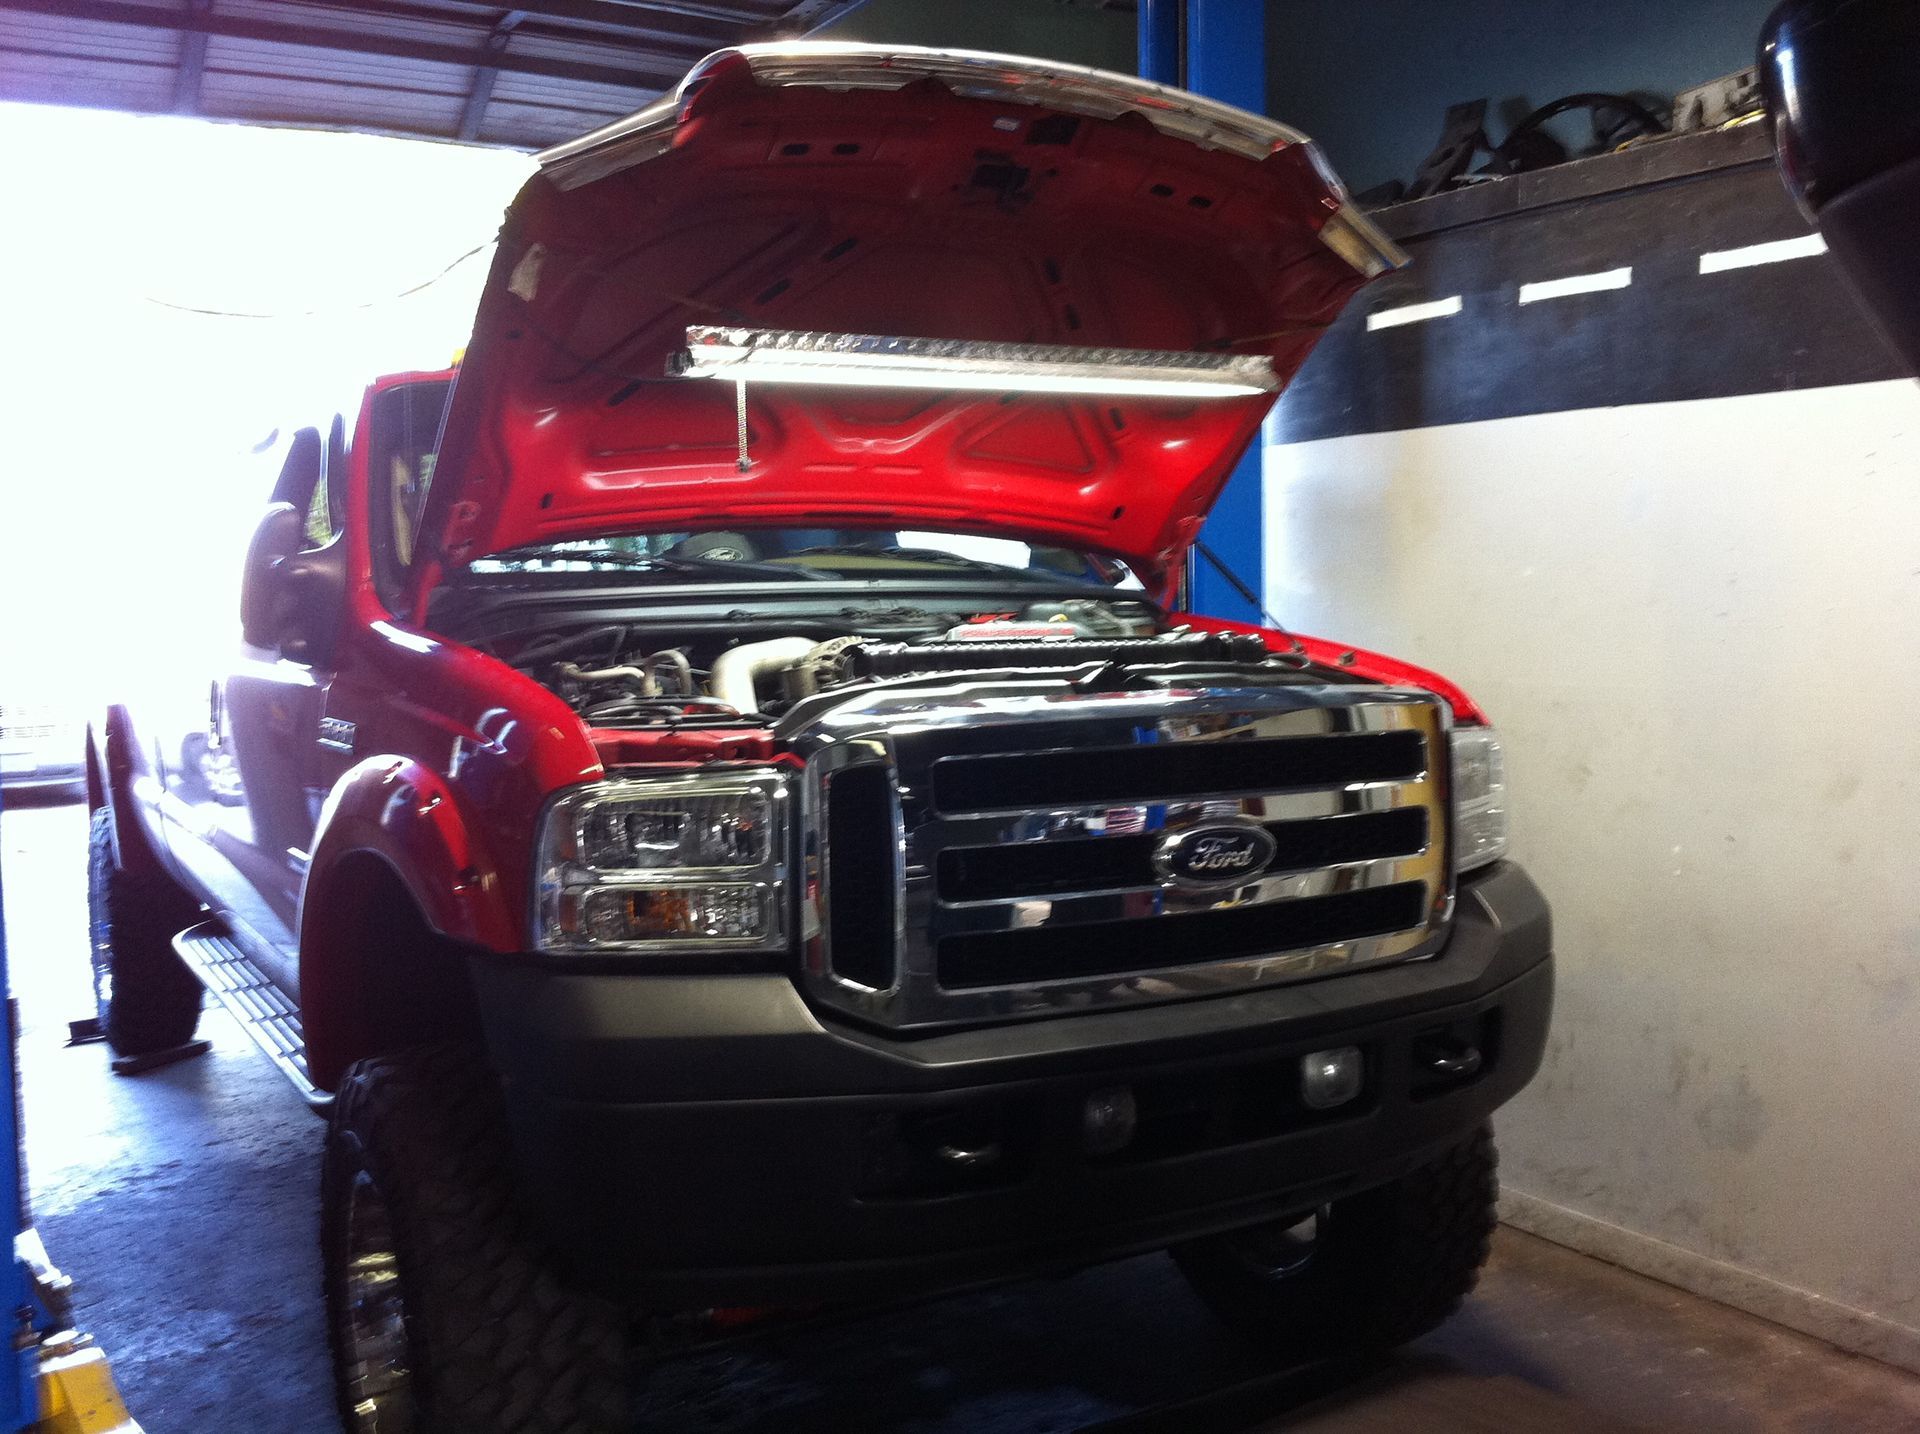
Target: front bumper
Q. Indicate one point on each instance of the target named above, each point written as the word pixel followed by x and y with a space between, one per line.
pixel 692 1141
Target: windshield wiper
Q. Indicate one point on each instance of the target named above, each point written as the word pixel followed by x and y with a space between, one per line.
pixel 938 557
pixel 666 563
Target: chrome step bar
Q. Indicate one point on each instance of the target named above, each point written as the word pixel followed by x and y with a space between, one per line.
pixel 264 1011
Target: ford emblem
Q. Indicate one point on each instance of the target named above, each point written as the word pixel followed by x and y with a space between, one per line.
pixel 1218 855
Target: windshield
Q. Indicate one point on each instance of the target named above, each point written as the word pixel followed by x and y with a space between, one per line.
pixel 815 554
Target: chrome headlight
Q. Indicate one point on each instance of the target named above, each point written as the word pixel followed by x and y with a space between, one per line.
pixel 1479 798
pixel 664 864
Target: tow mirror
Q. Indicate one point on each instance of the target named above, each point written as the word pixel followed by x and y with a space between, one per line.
pixel 263 591
pixel 292 597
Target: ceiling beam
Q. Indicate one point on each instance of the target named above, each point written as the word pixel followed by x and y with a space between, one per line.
pixel 480 93
pixel 191 66
pixel 642 70
pixel 599 19
pixel 805 16
pixel 699 10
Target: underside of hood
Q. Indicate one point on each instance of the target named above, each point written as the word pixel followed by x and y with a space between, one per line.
pixel 877 191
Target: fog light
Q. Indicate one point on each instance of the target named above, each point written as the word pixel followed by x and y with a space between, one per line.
pixel 1107 1120
pixel 1330 1078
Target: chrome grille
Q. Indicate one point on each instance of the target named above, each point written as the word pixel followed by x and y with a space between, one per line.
pixel 994 853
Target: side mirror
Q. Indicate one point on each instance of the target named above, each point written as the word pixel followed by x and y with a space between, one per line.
pixel 292 598
pixel 263 590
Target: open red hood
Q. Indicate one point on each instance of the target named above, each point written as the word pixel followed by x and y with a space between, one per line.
pixel 889 191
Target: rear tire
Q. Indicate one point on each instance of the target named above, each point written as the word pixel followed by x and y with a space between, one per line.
pixel 146 997
pixel 444 1314
pixel 1376 1270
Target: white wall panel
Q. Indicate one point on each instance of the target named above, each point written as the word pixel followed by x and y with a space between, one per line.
pixel 1697 625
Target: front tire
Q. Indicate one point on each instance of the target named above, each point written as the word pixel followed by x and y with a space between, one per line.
pixel 444 1315
pixel 146 997
pixel 1362 1274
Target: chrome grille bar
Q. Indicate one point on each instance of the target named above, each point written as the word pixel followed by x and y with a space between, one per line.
pixel 1315 757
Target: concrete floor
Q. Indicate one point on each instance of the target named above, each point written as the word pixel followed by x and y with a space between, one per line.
pixel 184 1203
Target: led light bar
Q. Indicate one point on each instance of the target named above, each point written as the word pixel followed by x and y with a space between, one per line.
pixel 877 361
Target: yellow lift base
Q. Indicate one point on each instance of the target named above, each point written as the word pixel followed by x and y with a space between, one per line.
pixel 77 1392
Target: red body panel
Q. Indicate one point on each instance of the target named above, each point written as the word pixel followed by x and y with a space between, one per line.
pixel 1374 666
pixel 454 753
pixel 437 760
pixel 916 212
pixel 454 756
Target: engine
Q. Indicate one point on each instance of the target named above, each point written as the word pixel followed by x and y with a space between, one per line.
pixel 616 674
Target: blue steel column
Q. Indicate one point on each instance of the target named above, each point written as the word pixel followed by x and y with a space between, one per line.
pixel 1218 48
pixel 1161 24
pixel 19 1402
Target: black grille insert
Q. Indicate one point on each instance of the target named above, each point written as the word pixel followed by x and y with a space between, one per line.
pixel 1057 953
pixel 1153 771
pixel 1048 868
pixel 861 888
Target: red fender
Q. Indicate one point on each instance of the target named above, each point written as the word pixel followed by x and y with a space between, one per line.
pixel 412 819
pixel 399 809
pixel 1374 666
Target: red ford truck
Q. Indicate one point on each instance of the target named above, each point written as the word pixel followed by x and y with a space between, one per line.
pixel 716 801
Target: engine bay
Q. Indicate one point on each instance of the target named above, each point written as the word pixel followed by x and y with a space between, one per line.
pixel 754 667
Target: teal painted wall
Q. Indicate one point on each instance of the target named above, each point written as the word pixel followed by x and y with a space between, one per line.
pixel 1370 79
pixel 1082 34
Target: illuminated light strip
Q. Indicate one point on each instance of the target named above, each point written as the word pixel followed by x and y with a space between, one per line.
pixel 1412 314
pixel 880 361
pixel 1807 246
pixel 1577 284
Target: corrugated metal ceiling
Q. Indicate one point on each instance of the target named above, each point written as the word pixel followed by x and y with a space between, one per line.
pixel 446 69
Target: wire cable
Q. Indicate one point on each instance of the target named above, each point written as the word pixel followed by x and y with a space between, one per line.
pixel 428 283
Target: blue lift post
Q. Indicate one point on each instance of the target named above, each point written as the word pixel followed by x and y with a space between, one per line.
pixel 1218 48
pixel 19 1400
pixel 57 1380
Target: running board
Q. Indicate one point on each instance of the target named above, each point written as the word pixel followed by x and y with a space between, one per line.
pixel 263 1010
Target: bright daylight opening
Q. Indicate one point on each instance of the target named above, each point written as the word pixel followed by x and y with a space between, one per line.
pixel 178 289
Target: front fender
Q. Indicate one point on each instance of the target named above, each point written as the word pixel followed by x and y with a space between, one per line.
pixel 390 823
pixel 1374 666
pixel 412 817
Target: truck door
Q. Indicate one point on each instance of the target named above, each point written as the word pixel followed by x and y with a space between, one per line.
pixel 243 792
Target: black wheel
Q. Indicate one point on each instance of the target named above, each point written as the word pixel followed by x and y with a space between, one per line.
pixel 1361 1274
pixel 146 997
pixel 444 1315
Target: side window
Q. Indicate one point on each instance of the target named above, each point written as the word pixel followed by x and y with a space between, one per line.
pixel 299 478
pixel 403 435
pixel 324 510
pixel 318 530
